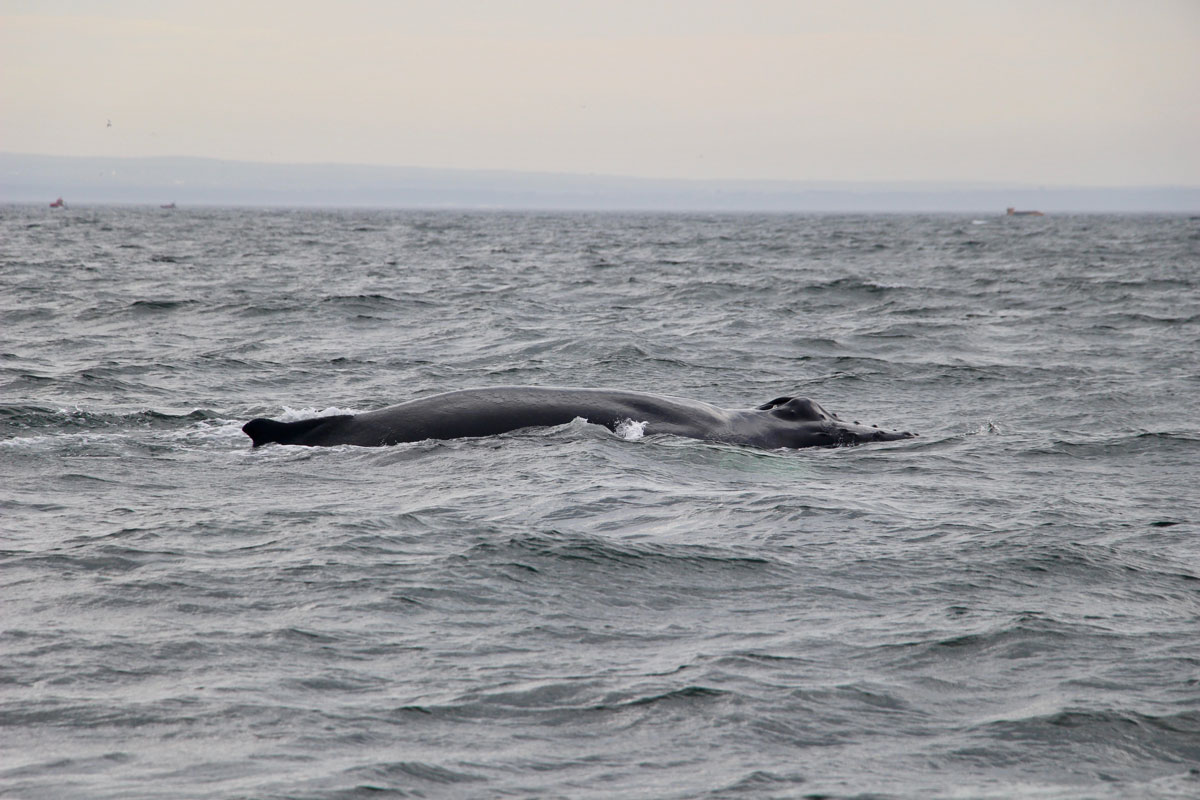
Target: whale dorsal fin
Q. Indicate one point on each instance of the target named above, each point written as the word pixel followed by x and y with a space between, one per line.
pixel 265 431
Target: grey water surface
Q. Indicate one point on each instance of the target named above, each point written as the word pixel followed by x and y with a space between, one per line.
pixel 1007 606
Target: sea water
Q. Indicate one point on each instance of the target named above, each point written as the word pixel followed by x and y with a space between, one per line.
pixel 1006 606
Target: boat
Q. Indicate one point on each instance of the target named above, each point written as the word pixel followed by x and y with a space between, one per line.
pixel 167 205
pixel 1012 212
pixel 58 203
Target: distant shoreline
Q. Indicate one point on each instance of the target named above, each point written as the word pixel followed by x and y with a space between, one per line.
pixel 30 178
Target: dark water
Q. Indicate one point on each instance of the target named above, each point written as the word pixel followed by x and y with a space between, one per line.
pixel 1008 606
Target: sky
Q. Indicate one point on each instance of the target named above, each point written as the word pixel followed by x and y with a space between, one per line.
pixel 1053 92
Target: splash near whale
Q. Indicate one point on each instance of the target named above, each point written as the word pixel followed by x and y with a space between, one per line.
pixel 791 422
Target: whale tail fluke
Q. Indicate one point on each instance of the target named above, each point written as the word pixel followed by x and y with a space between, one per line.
pixel 265 431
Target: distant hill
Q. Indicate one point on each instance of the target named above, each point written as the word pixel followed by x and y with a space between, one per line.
pixel 201 181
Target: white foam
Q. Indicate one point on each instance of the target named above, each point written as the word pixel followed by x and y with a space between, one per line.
pixel 629 430
pixel 296 414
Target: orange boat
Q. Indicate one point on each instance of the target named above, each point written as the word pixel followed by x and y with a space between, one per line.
pixel 58 203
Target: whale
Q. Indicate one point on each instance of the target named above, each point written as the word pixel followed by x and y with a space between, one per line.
pixel 784 422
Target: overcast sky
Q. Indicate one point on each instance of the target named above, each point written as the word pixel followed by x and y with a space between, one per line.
pixel 1049 92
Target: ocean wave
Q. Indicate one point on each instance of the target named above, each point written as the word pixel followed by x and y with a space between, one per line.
pixel 161 305
pixel 405 771
pixel 1124 445
pixel 1103 738
pixel 545 553
pixel 32 417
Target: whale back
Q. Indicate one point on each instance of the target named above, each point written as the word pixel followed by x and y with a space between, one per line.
pixel 306 431
pixel 786 421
